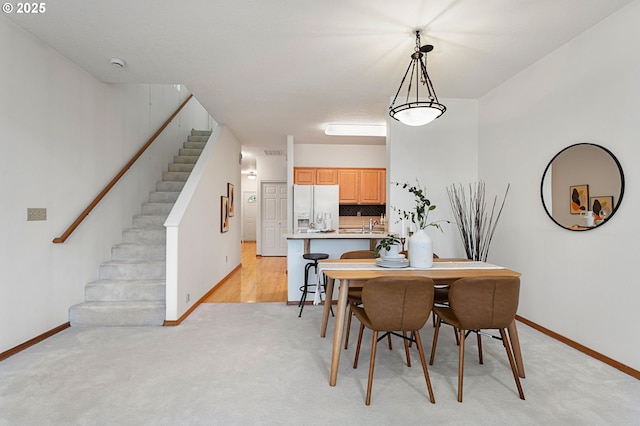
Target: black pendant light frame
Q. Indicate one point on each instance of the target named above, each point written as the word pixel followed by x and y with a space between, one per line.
pixel 419 75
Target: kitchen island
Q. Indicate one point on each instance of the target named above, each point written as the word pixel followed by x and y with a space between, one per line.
pixel 333 243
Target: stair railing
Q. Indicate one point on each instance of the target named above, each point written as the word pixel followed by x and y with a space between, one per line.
pixel 62 238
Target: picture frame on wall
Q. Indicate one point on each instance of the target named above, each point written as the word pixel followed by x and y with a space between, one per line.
pixel 232 204
pixel 578 198
pixel 224 214
pixel 601 206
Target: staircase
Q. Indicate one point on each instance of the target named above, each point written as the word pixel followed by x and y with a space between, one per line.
pixel 130 290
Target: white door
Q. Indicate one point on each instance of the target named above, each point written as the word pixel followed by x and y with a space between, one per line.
pixel 249 203
pixel 274 218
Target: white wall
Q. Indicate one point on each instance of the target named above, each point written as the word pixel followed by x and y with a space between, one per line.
pixel 438 155
pixel 358 156
pixel 199 255
pixel 64 135
pixel 582 285
pixel 248 185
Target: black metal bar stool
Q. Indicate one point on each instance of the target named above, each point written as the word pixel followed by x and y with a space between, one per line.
pixel 314 258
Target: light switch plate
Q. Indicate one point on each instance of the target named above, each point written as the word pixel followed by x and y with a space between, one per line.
pixel 36 214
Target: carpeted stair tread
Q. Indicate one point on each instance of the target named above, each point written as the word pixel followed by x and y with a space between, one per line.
pixel 137 251
pixel 118 314
pixel 130 290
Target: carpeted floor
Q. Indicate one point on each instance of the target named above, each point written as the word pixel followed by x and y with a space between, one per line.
pixel 259 364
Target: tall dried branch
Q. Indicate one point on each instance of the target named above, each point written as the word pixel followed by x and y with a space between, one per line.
pixel 475 222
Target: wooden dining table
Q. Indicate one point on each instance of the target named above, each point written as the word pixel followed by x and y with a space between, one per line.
pixel 355 272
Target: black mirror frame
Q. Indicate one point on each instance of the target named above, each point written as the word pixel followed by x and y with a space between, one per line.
pixel 615 209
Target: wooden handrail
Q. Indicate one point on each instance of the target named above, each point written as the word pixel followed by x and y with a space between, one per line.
pixel 85 213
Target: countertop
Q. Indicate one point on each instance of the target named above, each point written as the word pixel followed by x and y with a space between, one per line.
pixel 339 234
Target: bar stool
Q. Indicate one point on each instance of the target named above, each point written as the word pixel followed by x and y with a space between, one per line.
pixel 314 258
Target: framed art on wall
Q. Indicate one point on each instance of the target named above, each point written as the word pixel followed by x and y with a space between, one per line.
pixel 224 213
pixel 601 206
pixel 232 204
pixel 578 198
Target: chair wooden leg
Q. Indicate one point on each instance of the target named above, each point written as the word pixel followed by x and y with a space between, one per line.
pixel 389 340
pixel 514 370
pixel 479 348
pixel 424 366
pixel 435 341
pixel 355 360
pixel 461 365
pixel 406 347
pixel 346 337
pixel 372 362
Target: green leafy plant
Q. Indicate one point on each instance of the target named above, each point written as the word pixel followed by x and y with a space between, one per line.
pixel 420 214
pixel 387 242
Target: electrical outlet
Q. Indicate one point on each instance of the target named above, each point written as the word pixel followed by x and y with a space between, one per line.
pixel 36 214
pixel 188 297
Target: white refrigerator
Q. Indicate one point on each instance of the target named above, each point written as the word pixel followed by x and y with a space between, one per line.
pixel 317 205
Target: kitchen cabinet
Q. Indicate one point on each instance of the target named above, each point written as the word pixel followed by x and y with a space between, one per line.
pixel 357 186
pixel 372 186
pixel 315 176
pixel 326 176
pixel 304 176
pixel 362 186
pixel 349 182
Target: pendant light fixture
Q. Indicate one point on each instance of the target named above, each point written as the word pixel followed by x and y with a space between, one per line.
pixel 418 108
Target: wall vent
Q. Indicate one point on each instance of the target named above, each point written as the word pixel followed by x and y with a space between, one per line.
pixel 272 152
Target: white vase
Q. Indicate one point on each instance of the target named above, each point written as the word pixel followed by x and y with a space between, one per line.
pixel 420 250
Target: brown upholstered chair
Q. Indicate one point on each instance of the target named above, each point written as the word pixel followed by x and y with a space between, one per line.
pixel 478 304
pixel 390 305
pixel 354 296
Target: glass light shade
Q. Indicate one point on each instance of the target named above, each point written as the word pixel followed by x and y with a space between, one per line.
pixel 418 115
pixel 252 175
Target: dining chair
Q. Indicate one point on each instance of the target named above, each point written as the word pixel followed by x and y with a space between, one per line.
pixel 392 305
pixel 354 295
pixel 477 304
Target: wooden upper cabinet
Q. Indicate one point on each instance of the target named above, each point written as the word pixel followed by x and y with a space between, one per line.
pixel 383 186
pixel 349 181
pixel 304 176
pixel 357 186
pixel 372 186
pixel 326 176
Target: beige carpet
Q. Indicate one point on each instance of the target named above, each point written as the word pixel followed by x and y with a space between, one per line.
pixel 259 364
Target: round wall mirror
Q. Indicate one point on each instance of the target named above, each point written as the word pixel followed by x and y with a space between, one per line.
pixel 582 187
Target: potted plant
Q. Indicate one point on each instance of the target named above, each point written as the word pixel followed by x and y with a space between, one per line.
pixel 389 245
pixel 420 245
pixel 420 215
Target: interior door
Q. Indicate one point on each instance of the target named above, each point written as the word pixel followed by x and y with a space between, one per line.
pixel 274 218
pixel 249 211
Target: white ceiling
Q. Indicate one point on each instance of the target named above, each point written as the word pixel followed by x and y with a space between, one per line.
pixel 272 68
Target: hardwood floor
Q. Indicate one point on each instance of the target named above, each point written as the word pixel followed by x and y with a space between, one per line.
pixel 259 279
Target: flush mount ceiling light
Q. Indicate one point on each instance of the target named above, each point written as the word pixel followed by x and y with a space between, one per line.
pixel 356 130
pixel 415 111
pixel 117 62
pixel 252 175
